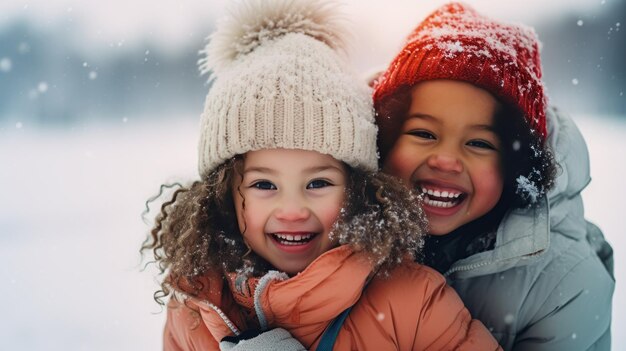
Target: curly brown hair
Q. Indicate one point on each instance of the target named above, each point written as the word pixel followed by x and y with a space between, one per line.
pixel 196 231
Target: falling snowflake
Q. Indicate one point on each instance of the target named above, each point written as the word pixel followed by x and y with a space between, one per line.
pixel 23 48
pixel 509 318
pixel 42 87
pixel 516 145
pixel 5 64
pixel 575 81
pixel 93 75
pixel 580 23
pixel 18 125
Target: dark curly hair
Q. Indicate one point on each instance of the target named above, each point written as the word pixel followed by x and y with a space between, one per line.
pixel 196 231
pixel 529 167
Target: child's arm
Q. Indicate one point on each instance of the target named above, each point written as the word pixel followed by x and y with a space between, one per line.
pixel 185 330
pixel 576 315
pixel 421 312
pixel 445 323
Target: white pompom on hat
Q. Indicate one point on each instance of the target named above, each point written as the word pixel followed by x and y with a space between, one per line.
pixel 280 82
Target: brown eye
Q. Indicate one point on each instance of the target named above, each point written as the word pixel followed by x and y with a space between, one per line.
pixel 481 144
pixel 264 185
pixel 422 134
pixel 317 184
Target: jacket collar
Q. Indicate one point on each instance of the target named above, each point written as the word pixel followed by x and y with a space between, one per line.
pixel 307 302
pixel 522 237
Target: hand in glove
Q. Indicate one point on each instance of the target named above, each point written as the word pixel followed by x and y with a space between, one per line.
pixel 252 340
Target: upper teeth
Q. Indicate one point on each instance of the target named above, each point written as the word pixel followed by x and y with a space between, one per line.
pixel 296 237
pixel 437 193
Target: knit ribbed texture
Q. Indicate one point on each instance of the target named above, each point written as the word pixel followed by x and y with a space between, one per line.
pixel 455 42
pixel 290 91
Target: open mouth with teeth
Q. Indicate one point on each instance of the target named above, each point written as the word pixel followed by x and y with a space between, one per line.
pixel 293 239
pixel 442 198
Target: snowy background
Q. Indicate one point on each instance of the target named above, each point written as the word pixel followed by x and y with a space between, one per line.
pixel 99 106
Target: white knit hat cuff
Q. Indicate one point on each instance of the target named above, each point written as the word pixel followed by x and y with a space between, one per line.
pixel 285 122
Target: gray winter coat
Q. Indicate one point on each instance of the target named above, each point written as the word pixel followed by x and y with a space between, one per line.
pixel 548 283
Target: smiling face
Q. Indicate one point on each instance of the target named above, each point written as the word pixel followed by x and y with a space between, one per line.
pixel 286 202
pixel 448 150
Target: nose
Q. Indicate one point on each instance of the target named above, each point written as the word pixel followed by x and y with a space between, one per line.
pixel 292 210
pixel 445 162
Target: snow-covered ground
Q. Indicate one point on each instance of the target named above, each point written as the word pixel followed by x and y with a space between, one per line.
pixel 70 228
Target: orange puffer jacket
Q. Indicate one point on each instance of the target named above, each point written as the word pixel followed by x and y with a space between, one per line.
pixel 412 309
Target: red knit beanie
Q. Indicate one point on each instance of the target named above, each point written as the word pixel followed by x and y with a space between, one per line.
pixel 455 42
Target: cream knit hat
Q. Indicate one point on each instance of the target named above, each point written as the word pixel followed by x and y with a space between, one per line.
pixel 279 82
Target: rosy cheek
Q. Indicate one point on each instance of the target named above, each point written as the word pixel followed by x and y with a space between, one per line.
pixel 399 164
pixel 329 212
pixel 252 217
pixel 489 184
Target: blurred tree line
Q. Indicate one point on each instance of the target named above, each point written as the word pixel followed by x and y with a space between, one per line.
pixel 45 79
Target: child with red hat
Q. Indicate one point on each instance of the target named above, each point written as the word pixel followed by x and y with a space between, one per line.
pixel 463 120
